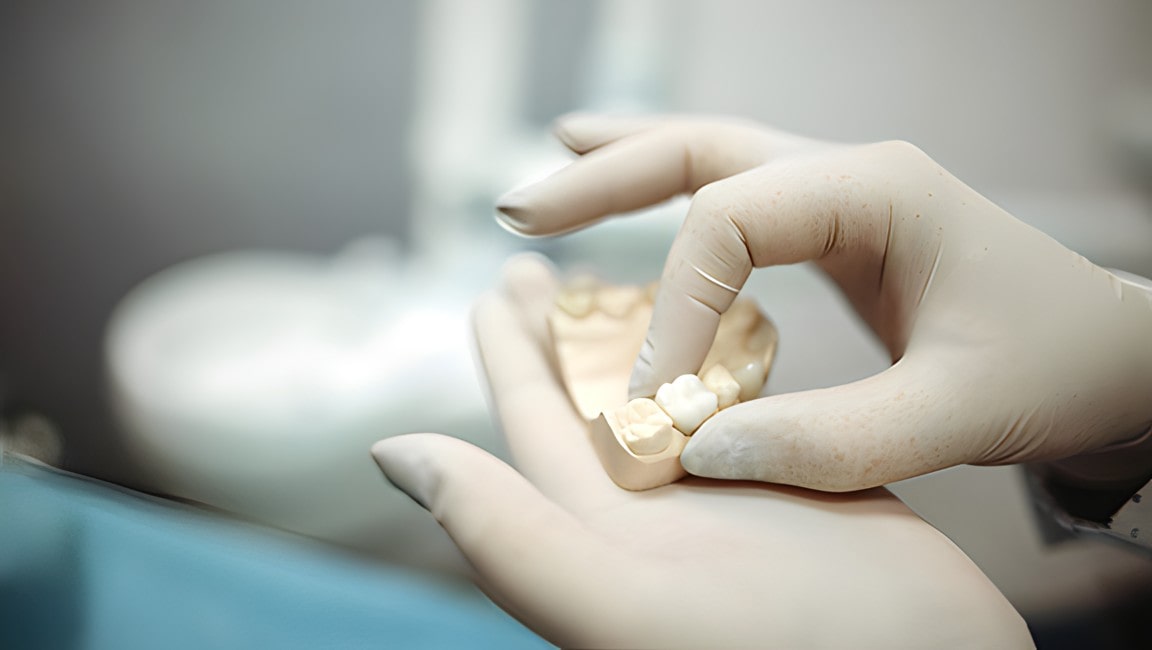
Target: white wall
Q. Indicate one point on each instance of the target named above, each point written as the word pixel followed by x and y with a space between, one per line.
pixel 1005 94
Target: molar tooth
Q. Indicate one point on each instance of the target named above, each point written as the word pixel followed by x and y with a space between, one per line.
pixel 720 381
pixel 578 297
pixel 647 429
pixel 618 302
pixel 688 402
pixel 577 304
pixel 751 378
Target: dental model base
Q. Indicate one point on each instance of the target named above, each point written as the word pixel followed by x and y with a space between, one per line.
pixel 597 332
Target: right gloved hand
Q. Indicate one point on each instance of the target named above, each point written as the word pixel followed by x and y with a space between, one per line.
pixel 1006 346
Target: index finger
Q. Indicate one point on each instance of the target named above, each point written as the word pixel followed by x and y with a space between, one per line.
pixel 642 168
pixel 547 438
pixel 781 213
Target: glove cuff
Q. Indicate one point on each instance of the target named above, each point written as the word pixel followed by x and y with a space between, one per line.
pixel 1101 492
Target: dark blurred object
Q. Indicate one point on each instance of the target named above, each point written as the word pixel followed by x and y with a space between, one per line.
pixel 88 565
pixel 1120 626
pixel 29 433
pixel 139 134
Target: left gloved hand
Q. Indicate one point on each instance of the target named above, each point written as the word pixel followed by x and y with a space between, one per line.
pixel 699 563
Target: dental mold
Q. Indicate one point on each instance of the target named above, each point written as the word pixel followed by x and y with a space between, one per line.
pixel 597 331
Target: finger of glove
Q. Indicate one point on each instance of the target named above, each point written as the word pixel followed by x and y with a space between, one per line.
pixel 903 422
pixel 530 283
pixel 781 213
pixel 632 173
pixel 584 132
pixel 546 436
pixel 530 555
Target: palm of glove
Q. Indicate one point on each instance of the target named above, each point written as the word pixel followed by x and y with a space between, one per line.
pixel 699 563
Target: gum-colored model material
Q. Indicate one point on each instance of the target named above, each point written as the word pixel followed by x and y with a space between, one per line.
pixel 1006 346
pixel 595 346
pixel 699 563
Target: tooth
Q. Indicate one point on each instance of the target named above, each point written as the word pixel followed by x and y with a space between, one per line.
pixel 743 334
pixel 751 378
pixel 576 303
pixel 647 429
pixel 688 402
pixel 578 297
pixel 718 380
pixel 618 302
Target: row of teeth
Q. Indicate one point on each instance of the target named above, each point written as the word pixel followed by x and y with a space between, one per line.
pixel 585 295
pixel 649 426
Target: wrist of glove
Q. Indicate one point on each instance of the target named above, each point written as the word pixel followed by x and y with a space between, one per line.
pixel 1099 491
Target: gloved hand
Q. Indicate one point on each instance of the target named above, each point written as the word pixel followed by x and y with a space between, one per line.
pixel 696 564
pixel 1006 346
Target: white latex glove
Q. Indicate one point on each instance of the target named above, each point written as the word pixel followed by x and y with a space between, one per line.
pixel 695 564
pixel 1006 346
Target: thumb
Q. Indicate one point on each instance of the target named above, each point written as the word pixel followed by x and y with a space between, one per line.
pixel 531 556
pixel 900 423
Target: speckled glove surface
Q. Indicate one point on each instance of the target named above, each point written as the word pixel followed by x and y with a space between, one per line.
pixel 1006 346
pixel 696 564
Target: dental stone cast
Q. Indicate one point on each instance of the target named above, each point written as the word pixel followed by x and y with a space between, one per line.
pixel 688 402
pixel 584 298
pixel 646 428
pixel 597 331
pixel 618 302
pixel 577 302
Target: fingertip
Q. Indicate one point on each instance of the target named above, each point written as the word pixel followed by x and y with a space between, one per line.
pixel 711 453
pixel 578 130
pixel 643 381
pixel 749 442
pixel 528 269
pixel 640 387
pixel 562 130
pixel 513 214
pixel 389 450
pixel 530 221
pixel 841 439
pixel 525 281
pixel 529 281
pixel 583 132
pixel 409 465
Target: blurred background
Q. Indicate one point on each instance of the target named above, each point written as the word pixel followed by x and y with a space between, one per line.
pixel 238 241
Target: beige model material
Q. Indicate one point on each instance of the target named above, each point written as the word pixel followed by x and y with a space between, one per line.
pixel 630 469
pixel 1005 345
pixel 699 563
pixel 597 330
